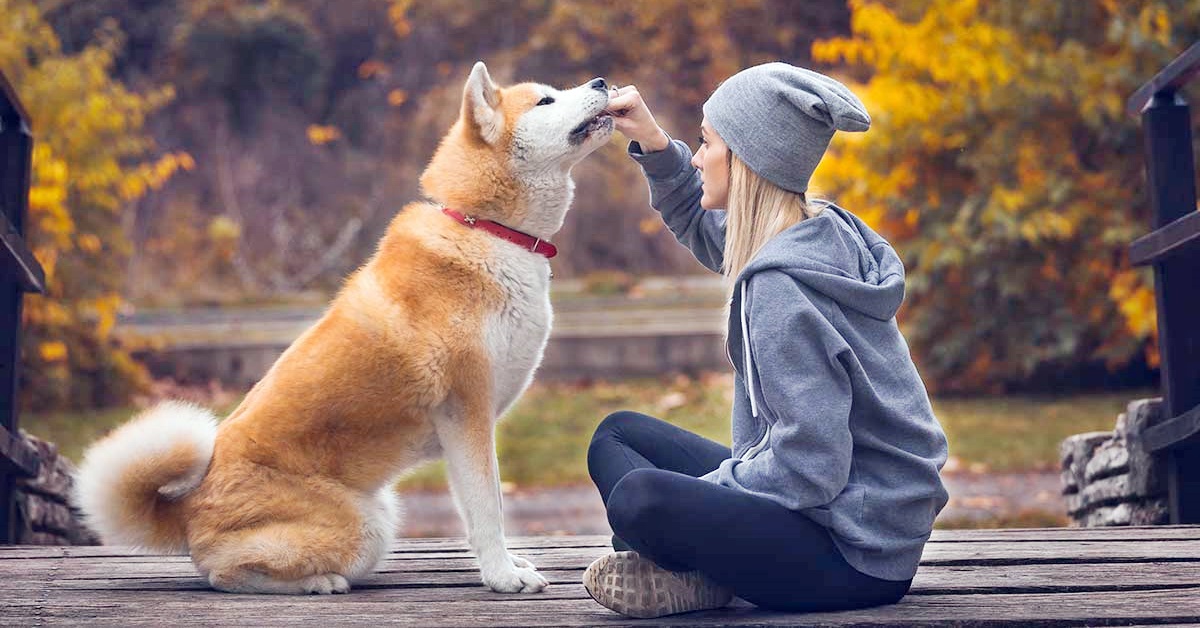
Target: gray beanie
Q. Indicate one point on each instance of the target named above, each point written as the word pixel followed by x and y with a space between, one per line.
pixel 779 118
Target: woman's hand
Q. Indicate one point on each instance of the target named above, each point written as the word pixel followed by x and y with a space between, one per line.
pixel 634 120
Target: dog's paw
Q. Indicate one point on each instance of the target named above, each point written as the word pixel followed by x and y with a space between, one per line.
pixel 325 584
pixel 517 561
pixel 515 580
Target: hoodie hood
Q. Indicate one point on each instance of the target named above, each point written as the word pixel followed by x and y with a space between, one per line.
pixel 838 255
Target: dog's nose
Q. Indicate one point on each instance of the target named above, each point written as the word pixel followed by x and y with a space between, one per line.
pixel 599 84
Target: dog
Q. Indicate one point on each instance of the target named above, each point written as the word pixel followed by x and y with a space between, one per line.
pixel 424 347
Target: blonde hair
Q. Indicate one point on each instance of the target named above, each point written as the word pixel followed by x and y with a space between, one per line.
pixel 757 211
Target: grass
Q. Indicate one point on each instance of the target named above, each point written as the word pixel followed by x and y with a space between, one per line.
pixel 1017 433
pixel 543 440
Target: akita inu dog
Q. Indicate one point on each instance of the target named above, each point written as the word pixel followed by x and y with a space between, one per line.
pixel 423 348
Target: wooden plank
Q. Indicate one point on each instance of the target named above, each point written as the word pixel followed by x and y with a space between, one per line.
pixel 970 566
pixel 134 609
pixel 439 586
pixel 991 551
pixel 930 580
pixel 1178 72
pixel 1125 534
pixel 1000 553
pixel 997 551
pixel 401 546
pixel 1122 533
pixel 440 546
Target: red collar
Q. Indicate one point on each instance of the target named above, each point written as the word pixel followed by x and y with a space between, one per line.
pixel 519 238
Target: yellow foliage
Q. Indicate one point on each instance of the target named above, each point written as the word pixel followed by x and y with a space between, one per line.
pixel 223 228
pixel 54 351
pixel 1136 300
pixel 999 142
pixel 90 159
pixel 398 13
pixel 89 243
pixel 319 135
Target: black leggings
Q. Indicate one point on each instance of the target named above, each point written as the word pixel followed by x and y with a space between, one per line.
pixel 647 470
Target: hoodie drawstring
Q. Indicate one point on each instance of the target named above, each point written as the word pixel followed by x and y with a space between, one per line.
pixel 749 366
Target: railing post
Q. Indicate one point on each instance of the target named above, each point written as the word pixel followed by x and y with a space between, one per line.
pixel 19 273
pixel 1171 172
pixel 15 151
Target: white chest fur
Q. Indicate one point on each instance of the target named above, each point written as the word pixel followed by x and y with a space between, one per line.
pixel 516 335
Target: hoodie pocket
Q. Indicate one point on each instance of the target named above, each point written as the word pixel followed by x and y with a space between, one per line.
pixel 844 515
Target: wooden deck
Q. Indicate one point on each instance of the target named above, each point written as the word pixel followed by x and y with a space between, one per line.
pixel 1047 577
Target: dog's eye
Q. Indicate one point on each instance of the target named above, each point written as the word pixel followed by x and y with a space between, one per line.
pixel 545 101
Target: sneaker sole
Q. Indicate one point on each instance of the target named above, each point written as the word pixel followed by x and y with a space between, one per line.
pixel 636 587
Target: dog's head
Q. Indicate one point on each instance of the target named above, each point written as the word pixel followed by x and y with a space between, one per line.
pixel 510 141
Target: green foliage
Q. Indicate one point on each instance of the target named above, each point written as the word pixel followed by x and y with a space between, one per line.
pixel 1004 169
pixel 245 55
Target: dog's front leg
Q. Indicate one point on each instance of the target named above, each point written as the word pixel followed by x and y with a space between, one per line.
pixel 468 443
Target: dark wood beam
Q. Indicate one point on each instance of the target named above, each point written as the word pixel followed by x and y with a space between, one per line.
pixel 1173 432
pixel 18 260
pixel 1170 79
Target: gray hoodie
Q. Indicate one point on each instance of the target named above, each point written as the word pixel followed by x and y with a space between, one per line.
pixel 830 417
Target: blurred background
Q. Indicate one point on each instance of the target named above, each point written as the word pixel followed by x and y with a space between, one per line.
pixel 206 172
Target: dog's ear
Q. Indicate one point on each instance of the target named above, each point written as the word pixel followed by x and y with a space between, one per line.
pixel 481 105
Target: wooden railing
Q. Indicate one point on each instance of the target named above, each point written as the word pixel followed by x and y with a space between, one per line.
pixel 21 274
pixel 1174 250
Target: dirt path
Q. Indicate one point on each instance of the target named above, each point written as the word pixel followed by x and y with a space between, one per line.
pixel 578 510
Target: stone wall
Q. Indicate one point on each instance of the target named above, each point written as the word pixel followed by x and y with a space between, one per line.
pixel 1109 480
pixel 44 516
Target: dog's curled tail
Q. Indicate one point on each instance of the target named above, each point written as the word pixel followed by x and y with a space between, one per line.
pixel 132 482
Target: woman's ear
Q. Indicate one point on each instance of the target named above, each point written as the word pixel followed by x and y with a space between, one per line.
pixel 481 105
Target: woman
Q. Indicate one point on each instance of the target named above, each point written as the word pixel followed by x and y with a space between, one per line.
pixel 829 493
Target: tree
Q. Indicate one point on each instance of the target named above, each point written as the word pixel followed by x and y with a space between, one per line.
pixel 310 121
pixel 1002 165
pixel 90 160
pixel 676 51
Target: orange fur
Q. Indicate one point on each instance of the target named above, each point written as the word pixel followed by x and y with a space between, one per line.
pixel 494 193
pixel 352 401
pixel 346 407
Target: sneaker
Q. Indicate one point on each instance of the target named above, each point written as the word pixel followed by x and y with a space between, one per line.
pixel 636 587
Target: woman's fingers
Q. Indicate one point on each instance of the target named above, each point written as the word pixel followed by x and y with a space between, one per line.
pixel 632 117
pixel 622 104
pixel 623 99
